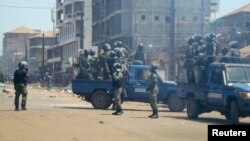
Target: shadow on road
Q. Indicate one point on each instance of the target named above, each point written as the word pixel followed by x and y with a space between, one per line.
pixel 77 108
pixel 8 110
pixel 208 120
pixel 91 108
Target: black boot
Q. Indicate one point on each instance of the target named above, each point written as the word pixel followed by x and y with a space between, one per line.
pixel 118 112
pixel 17 109
pixel 154 115
pixel 16 104
pixel 23 104
pixel 151 115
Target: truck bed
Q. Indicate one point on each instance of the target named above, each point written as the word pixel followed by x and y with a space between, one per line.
pixel 83 87
pixel 198 90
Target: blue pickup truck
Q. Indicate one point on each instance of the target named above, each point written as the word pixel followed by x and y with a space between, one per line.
pixel 226 89
pixel 100 93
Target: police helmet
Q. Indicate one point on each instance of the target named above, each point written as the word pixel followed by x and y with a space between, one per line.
pixel 118 44
pixel 153 67
pixel 112 53
pixel 106 47
pixel 190 40
pixel 117 67
pixel 91 52
pixel 140 46
pixel 212 36
pixel 23 64
pixel 234 44
pixel 198 37
pixel 86 52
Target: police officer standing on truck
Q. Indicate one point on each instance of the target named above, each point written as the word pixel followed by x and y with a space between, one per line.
pixel 117 78
pixel 20 83
pixel 153 90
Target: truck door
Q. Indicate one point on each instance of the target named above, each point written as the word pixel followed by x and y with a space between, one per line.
pixel 216 86
pixel 139 84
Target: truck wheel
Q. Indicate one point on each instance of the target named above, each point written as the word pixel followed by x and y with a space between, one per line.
pixel 193 108
pixel 175 104
pixel 234 112
pixel 100 100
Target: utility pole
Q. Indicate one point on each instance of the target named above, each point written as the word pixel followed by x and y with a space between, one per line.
pixel 81 29
pixel 54 36
pixel 202 16
pixel 26 52
pixel 43 46
pixel 172 40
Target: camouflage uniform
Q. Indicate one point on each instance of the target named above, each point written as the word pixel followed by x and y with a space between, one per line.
pixel 189 62
pixel 118 88
pixel 153 91
pixel 211 48
pixel 20 83
pixel 93 65
pixel 139 57
pixel 120 47
pixel 85 69
pixel 225 55
pixel 234 52
pixel 103 64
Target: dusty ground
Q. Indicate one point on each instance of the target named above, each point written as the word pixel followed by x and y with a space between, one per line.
pixel 58 116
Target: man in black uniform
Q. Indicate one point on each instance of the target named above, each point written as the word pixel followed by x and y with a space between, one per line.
pixel 20 83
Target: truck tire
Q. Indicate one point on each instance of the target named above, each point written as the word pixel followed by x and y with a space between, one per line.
pixel 100 100
pixel 193 108
pixel 234 112
pixel 175 104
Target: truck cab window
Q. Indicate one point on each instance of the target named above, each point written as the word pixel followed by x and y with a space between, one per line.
pixel 142 74
pixel 217 76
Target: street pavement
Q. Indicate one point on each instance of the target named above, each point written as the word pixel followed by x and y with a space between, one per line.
pixel 61 116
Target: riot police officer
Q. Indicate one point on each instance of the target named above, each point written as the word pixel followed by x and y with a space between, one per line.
pixel 153 90
pixel 117 82
pixel 105 53
pixel 93 64
pixel 139 57
pixel 85 68
pixel 119 47
pixel 211 48
pixel 20 83
pixel 234 52
pixel 189 60
pixel 225 55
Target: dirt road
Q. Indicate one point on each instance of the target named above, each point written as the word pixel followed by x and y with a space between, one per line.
pixel 58 116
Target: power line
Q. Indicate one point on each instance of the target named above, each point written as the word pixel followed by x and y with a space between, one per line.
pixel 30 7
pixel 25 2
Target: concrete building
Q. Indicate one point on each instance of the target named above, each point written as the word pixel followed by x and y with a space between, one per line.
pixel 68 22
pixel 152 22
pixel 15 47
pixel 35 51
pixel 234 26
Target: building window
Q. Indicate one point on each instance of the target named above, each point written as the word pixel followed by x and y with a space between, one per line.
pixel 167 19
pixel 195 19
pixel 183 18
pixel 143 17
pixel 157 18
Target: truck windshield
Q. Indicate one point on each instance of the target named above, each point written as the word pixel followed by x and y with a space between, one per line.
pixel 238 74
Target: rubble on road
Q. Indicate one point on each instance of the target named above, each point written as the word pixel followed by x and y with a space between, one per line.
pixel 6 91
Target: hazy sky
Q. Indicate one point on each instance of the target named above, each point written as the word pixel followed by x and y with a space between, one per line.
pixel 37 15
